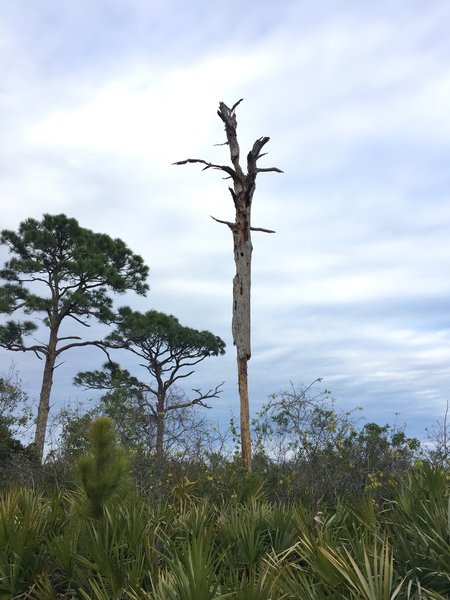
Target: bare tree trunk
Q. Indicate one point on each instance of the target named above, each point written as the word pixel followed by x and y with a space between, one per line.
pixel 242 194
pixel 246 442
pixel 160 423
pixel 44 397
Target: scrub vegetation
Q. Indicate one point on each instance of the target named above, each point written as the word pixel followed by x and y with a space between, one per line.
pixel 332 509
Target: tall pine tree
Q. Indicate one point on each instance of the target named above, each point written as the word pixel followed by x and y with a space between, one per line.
pixel 61 272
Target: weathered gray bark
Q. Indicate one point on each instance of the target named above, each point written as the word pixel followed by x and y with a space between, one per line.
pixel 242 194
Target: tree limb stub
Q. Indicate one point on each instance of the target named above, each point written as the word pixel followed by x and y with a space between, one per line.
pixel 262 229
pixel 236 104
pixel 232 226
pixel 269 170
pixel 209 165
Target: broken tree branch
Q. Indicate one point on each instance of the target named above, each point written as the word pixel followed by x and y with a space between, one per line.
pixel 262 229
pixel 209 165
pixel 230 225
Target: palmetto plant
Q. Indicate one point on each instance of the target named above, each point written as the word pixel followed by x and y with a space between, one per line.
pixel 102 559
pixel 27 520
pixel 256 550
pixel 244 535
pixel 259 585
pixel 372 578
pixel 193 573
pixel 419 523
pixel 363 553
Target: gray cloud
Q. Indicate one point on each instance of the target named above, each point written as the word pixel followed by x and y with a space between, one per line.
pixel 99 99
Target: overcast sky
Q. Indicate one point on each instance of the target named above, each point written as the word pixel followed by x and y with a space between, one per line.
pixel 99 97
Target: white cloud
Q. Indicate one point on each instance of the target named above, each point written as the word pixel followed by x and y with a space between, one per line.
pixel 150 113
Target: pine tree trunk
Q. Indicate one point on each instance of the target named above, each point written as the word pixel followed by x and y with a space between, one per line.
pixel 160 427
pixel 44 397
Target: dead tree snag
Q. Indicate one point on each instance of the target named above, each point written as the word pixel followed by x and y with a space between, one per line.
pixel 242 194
